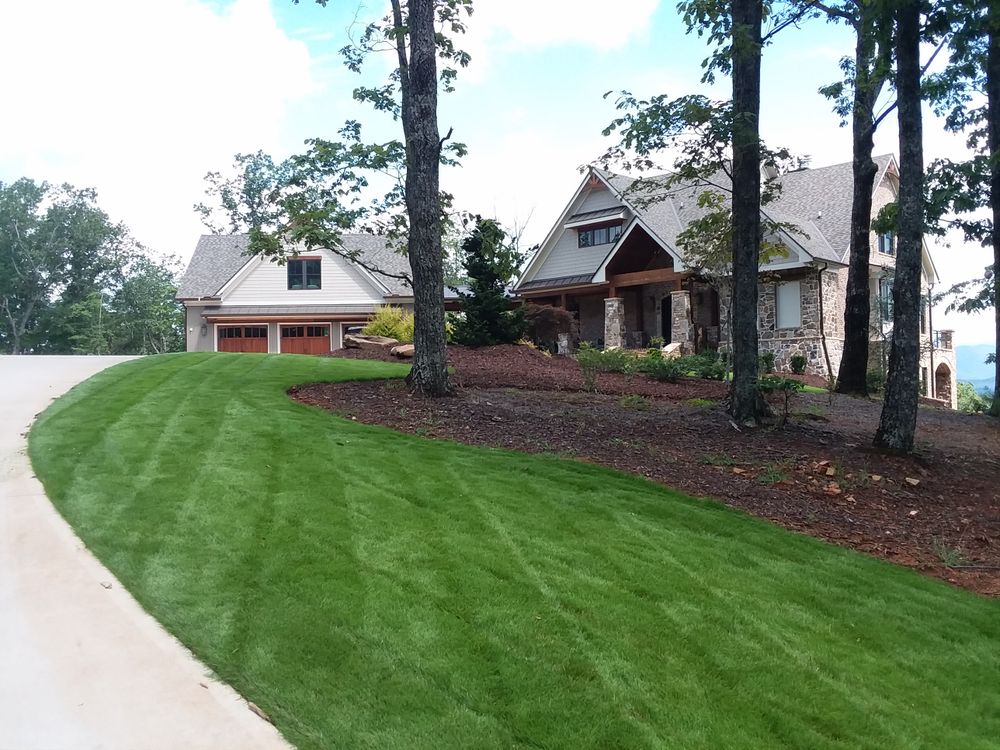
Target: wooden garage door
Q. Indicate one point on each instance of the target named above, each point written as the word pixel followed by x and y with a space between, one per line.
pixel 243 339
pixel 305 339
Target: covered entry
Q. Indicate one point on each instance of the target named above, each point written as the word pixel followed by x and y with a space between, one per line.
pixel 242 339
pixel 305 339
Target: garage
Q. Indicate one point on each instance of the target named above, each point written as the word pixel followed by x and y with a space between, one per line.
pixel 305 339
pixel 242 339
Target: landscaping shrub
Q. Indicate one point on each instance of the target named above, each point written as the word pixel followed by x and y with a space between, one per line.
pixel 787 387
pixel 767 362
pixel 875 379
pixel 490 259
pixel 708 365
pixel 656 366
pixel 608 360
pixel 798 363
pixel 544 323
pixel 391 321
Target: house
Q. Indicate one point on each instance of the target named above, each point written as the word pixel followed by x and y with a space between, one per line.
pixel 613 260
pixel 237 303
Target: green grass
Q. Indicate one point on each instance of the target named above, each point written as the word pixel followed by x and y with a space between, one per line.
pixel 375 590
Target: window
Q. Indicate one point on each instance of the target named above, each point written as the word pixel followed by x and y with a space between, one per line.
pixel 293 332
pixel 885 297
pixel 304 273
pixel 317 331
pixel 923 317
pixel 600 236
pixel 788 299
pixel 230 332
pixel 887 244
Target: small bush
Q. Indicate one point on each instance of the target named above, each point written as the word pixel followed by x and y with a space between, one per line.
pixel 608 360
pixel 787 387
pixel 708 365
pixel 875 379
pixel 392 322
pixel 634 401
pixel 662 369
pixel 544 323
pixel 657 342
pixel 798 363
pixel 767 362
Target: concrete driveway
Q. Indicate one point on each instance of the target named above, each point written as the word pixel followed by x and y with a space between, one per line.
pixel 81 664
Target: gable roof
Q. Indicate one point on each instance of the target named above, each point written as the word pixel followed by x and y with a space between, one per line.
pixel 219 257
pixel 818 201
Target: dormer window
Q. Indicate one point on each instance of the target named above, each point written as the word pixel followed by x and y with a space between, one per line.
pixel 599 236
pixel 304 273
pixel 887 243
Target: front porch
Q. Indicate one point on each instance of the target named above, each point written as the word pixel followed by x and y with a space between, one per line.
pixel 636 295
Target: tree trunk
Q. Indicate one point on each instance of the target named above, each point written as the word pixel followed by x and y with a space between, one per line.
pixel 852 377
pixel 746 403
pixel 429 373
pixel 899 410
pixel 993 115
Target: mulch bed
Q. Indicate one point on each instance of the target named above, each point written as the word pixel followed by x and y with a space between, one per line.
pixel 817 474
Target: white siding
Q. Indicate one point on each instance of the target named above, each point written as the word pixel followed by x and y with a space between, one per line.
pixel 567 259
pixel 266 283
pixel 789 304
pixel 596 199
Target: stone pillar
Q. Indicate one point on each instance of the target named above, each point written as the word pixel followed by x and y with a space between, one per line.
pixel 614 323
pixel 681 328
pixel 562 344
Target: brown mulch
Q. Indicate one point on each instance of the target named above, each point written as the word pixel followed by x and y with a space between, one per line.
pixel 817 474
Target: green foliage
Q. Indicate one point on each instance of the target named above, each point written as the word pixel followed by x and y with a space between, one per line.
pixel 771 475
pixel 787 387
pixel 767 362
pixel 970 401
pixel 949 556
pixel 875 380
pixel 700 402
pixel 606 360
pixel 798 363
pixel 391 321
pixel 491 259
pixel 72 281
pixel 654 364
pixel 635 401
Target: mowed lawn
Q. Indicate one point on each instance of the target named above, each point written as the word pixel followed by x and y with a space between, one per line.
pixel 375 590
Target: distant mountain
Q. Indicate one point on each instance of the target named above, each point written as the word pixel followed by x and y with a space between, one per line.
pixel 984 385
pixel 970 359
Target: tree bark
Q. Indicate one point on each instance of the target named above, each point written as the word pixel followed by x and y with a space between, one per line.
pixel 418 76
pixel 993 115
pixel 899 410
pixel 746 403
pixel 868 82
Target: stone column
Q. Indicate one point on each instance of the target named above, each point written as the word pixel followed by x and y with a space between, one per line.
pixel 614 323
pixel 681 328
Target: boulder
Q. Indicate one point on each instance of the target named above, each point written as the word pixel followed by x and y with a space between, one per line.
pixel 370 343
pixel 403 350
pixel 670 351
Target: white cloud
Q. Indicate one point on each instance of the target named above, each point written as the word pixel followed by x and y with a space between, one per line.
pixel 511 26
pixel 141 99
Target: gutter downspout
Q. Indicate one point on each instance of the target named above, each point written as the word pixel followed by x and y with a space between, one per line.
pixel 822 315
pixel 931 390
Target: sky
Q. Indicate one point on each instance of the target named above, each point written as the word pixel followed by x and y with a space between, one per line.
pixel 140 100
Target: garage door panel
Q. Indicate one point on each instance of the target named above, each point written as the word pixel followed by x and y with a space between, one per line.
pixel 242 339
pixel 305 339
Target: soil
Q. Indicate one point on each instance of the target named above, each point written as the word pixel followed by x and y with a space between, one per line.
pixel 937 511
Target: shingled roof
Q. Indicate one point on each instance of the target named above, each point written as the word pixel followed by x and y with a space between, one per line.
pixel 218 257
pixel 817 201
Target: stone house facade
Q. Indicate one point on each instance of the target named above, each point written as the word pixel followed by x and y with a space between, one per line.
pixel 613 260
